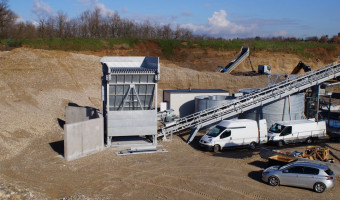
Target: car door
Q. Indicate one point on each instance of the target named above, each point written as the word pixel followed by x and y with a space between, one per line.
pixel 225 138
pixel 290 176
pixel 287 134
pixel 308 177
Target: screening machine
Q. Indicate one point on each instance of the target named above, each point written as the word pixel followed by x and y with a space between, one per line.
pixel 129 95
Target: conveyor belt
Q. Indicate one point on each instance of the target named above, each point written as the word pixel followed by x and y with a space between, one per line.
pixel 253 100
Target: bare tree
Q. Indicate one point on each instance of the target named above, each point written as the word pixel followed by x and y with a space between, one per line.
pixel 95 23
pixel 41 30
pixel 324 39
pixel 61 23
pixel 167 32
pixel 24 30
pixel 7 19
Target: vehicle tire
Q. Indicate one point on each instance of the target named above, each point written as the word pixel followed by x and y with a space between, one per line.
pixel 309 140
pixel 273 181
pixel 319 187
pixel 216 148
pixel 280 143
pixel 252 145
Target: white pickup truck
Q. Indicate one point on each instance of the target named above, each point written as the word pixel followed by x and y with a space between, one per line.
pixel 285 132
pixel 237 132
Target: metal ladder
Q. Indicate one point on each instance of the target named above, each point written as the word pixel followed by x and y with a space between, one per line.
pixel 252 100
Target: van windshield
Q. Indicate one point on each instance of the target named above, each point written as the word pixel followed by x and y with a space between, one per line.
pixel 216 131
pixel 276 128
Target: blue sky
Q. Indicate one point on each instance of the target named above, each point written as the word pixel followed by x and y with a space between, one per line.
pixel 219 18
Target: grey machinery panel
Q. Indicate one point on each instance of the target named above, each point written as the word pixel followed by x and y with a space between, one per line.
pixel 129 123
pixel 129 93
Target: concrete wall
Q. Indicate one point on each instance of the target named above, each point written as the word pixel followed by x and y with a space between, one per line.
pixel 84 135
pixel 78 114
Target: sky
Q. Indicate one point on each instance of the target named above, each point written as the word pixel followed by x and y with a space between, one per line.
pixel 228 19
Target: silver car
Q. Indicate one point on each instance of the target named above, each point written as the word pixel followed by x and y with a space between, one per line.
pixel 300 174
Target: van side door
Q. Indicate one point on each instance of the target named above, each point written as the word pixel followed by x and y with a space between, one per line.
pixel 287 134
pixel 225 139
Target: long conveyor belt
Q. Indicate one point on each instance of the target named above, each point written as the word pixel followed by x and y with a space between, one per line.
pixel 253 100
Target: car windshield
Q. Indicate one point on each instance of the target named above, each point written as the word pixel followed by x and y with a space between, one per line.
pixel 276 128
pixel 216 131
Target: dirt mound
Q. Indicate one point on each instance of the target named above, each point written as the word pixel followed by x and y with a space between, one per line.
pixel 35 86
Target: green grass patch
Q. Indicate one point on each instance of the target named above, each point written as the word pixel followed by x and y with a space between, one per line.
pixel 302 48
pixel 122 42
pixel 299 47
pixel 76 44
pixel 169 46
pixel 227 45
pixel 73 44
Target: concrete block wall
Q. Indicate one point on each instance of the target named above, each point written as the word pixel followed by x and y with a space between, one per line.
pixel 84 137
pixel 78 114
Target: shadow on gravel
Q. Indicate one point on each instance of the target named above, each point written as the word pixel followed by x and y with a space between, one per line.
pixel 260 164
pixel 237 153
pixel 61 123
pixel 256 175
pixel 58 147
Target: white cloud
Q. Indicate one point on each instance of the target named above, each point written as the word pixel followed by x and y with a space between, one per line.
pixel 88 2
pixel 104 11
pixel 219 26
pixel 281 33
pixel 19 19
pixel 42 9
pixel 124 9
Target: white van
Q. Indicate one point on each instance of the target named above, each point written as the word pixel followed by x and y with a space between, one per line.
pixel 236 132
pixel 285 132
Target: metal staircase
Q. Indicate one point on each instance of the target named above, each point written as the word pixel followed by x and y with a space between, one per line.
pixel 252 100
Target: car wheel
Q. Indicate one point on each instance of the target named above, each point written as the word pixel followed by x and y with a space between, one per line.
pixel 252 145
pixel 309 140
pixel 273 181
pixel 319 187
pixel 280 143
pixel 216 148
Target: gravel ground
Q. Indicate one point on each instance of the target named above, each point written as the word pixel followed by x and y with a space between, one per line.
pixel 35 87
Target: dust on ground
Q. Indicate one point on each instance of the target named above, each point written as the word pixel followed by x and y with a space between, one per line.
pixel 35 87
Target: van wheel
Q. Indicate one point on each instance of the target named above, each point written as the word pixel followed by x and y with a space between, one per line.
pixel 319 187
pixel 309 140
pixel 216 148
pixel 252 145
pixel 280 143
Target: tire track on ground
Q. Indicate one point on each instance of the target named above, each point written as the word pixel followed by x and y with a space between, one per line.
pixel 225 188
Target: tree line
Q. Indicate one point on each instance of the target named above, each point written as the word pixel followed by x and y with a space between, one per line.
pixel 92 24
